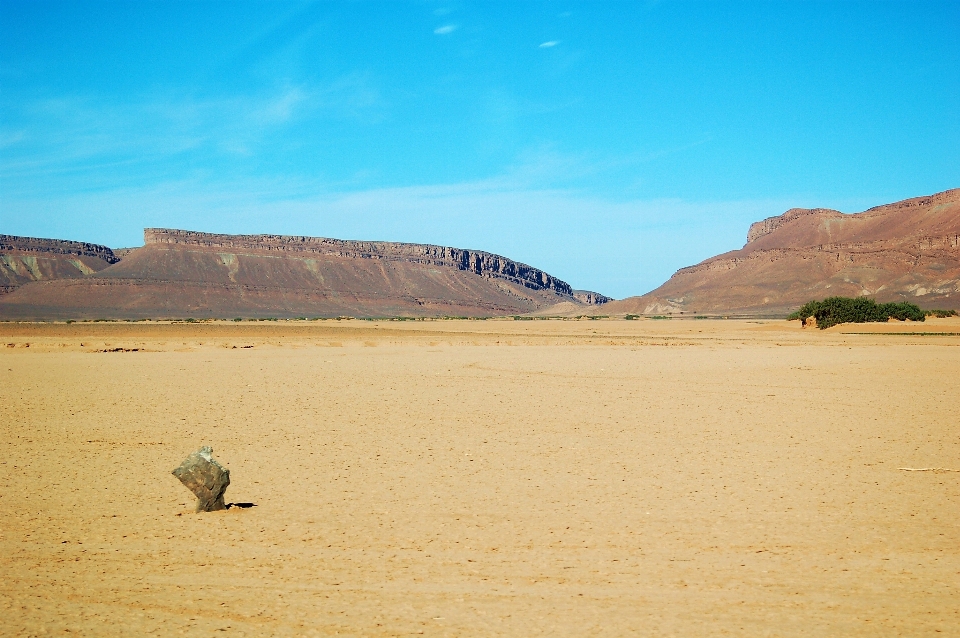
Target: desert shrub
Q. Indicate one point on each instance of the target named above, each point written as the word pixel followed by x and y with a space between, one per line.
pixel 836 310
pixel 631 317
pixel 660 317
pixel 940 314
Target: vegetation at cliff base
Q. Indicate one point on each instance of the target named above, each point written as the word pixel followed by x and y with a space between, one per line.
pixel 837 310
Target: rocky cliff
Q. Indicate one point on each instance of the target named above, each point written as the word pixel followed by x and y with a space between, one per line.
pixel 26 259
pixel 478 262
pixel 181 273
pixel 905 251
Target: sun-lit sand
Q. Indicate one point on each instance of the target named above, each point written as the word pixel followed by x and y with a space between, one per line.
pixel 482 478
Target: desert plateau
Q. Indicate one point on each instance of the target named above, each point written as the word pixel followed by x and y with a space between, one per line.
pixel 479 319
pixel 482 478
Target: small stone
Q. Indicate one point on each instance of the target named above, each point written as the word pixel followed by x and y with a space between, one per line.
pixel 206 478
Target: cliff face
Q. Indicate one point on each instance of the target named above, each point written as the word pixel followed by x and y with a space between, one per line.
pixel 478 262
pixel 26 259
pixel 905 251
pixel 770 224
pixel 189 274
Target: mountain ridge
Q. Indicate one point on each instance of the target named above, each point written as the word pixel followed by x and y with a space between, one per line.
pixel 191 273
pixel 903 251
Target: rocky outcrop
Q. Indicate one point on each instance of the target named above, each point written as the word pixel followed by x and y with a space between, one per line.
pixel 590 298
pixel 26 259
pixel 208 480
pixel 770 224
pixel 905 251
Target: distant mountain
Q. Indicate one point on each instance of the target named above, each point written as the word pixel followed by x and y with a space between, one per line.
pixel 181 273
pixel 26 259
pixel 907 251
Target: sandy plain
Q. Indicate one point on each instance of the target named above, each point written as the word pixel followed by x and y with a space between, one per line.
pixel 482 478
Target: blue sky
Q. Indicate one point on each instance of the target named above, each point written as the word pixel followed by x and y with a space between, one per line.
pixel 607 143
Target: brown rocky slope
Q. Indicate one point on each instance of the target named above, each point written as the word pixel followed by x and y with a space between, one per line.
pixel 906 251
pixel 190 274
pixel 26 259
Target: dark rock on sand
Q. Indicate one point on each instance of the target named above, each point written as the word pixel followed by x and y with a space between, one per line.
pixel 206 478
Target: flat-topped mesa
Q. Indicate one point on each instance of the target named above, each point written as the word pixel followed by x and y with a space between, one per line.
pixel 902 251
pixel 928 216
pixel 13 243
pixel 476 261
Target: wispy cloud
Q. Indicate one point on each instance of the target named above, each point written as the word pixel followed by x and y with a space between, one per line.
pixel 281 108
pixel 77 134
pixel 549 44
pixel 445 29
pixel 655 155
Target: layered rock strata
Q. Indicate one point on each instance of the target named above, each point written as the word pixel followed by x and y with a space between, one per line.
pixel 26 259
pixel 190 274
pixel 905 251
pixel 478 262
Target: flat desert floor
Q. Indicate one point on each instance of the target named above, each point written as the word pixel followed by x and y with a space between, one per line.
pixel 482 478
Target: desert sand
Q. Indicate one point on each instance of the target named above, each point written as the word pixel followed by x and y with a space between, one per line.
pixel 482 478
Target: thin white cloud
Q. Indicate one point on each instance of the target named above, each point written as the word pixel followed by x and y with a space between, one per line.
pixel 280 108
pixel 549 43
pixel 445 29
pixel 80 134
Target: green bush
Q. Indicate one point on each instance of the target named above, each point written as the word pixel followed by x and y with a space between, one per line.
pixel 631 317
pixel 940 314
pixel 836 310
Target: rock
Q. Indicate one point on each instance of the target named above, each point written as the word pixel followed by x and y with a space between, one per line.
pixel 206 478
pixel 29 259
pixel 904 251
pixel 192 274
pixel 590 298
